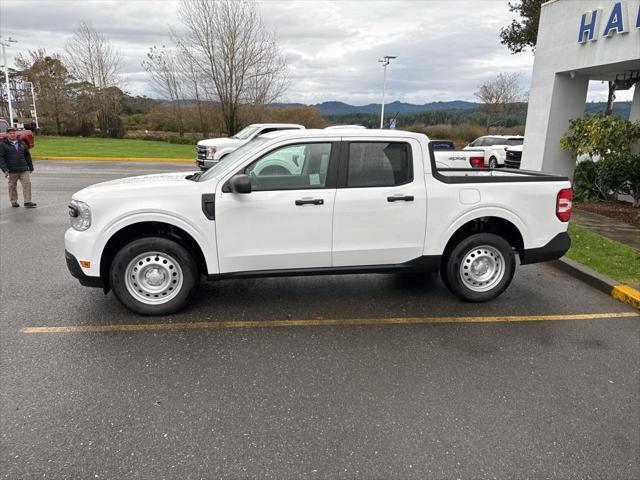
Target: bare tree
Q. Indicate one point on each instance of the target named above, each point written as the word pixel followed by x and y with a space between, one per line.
pixel 608 109
pixel 499 96
pixel 162 64
pixel 195 80
pixel 92 59
pixel 240 57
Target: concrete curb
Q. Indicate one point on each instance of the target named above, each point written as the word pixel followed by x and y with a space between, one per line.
pixel 111 159
pixel 621 292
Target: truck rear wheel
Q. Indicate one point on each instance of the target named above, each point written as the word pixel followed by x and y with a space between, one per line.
pixel 479 268
pixel 154 276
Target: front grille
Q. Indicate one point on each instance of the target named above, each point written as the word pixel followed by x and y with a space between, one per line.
pixel 513 159
pixel 201 152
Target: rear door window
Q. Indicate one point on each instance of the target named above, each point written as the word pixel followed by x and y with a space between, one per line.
pixel 379 164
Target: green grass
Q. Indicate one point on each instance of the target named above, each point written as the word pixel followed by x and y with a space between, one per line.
pixel 108 148
pixel 611 258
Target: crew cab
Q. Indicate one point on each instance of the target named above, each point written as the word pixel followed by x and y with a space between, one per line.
pixel 210 151
pixel 495 147
pixel 25 135
pixel 361 201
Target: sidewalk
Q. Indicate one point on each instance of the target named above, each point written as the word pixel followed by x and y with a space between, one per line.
pixel 608 227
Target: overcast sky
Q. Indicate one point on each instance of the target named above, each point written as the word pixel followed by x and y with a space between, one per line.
pixel 445 49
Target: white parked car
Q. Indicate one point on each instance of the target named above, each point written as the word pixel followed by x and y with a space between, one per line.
pixel 210 151
pixel 494 147
pixel 358 201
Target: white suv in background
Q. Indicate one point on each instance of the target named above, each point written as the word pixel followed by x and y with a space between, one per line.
pixel 495 147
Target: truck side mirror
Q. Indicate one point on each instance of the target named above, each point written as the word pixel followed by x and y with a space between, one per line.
pixel 240 184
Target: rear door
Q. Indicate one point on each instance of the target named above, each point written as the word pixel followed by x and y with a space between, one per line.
pixel 381 204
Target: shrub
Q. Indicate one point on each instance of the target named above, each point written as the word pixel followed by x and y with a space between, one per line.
pixel 600 135
pixel 609 138
pixel 585 182
pixel 621 174
pixel 186 140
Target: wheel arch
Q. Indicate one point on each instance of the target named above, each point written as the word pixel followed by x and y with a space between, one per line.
pixel 487 224
pixel 150 228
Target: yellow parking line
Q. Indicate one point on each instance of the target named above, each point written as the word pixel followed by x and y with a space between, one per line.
pixel 137 327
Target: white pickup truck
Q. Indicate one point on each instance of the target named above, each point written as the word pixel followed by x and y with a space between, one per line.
pixel 361 201
pixel 210 151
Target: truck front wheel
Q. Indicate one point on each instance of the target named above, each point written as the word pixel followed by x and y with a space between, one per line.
pixel 154 276
pixel 479 268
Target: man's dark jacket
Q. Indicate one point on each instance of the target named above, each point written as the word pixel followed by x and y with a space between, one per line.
pixel 14 160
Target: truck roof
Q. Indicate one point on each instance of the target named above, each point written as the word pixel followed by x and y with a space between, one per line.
pixel 354 132
pixel 292 125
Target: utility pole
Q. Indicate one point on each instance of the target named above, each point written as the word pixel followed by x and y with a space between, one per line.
pixel 385 61
pixel 7 43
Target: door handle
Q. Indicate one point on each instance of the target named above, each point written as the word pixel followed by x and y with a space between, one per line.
pixel 406 198
pixel 311 201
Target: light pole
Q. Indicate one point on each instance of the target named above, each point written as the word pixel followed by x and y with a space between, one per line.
pixel 385 61
pixel 35 111
pixel 6 43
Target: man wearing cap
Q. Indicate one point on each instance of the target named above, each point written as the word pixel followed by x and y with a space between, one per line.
pixel 16 164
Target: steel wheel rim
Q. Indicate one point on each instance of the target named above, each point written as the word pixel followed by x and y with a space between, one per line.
pixel 153 278
pixel 482 268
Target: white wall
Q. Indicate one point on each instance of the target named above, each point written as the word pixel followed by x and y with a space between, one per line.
pixel 562 70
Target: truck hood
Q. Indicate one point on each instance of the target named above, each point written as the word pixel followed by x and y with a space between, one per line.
pixel 135 185
pixel 221 142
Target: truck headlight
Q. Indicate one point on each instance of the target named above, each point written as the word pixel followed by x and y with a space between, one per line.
pixel 80 215
pixel 211 151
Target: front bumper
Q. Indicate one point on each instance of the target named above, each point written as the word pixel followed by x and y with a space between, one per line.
pixel 204 164
pixel 553 250
pixel 76 271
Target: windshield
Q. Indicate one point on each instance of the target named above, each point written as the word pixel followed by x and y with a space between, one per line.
pixel 245 133
pixel 232 157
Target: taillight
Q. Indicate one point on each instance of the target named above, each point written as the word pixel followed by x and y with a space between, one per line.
pixel 563 204
pixel 476 162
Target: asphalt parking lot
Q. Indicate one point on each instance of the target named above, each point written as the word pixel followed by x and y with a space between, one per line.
pixel 373 377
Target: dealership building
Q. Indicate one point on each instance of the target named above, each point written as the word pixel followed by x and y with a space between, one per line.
pixel 578 42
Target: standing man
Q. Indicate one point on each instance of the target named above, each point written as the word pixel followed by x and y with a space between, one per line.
pixel 16 164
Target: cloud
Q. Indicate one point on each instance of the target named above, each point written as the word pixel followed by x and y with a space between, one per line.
pixel 445 49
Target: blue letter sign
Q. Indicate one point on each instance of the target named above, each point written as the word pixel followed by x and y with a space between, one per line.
pixel 588 30
pixel 617 20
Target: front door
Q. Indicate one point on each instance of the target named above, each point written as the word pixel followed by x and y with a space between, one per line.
pixel 380 213
pixel 285 222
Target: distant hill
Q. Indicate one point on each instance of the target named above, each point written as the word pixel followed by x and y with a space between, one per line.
pixel 621 109
pixel 340 108
pixel 334 108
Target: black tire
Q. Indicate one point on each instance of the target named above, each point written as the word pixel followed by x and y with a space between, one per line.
pixel 493 162
pixel 451 267
pixel 178 253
